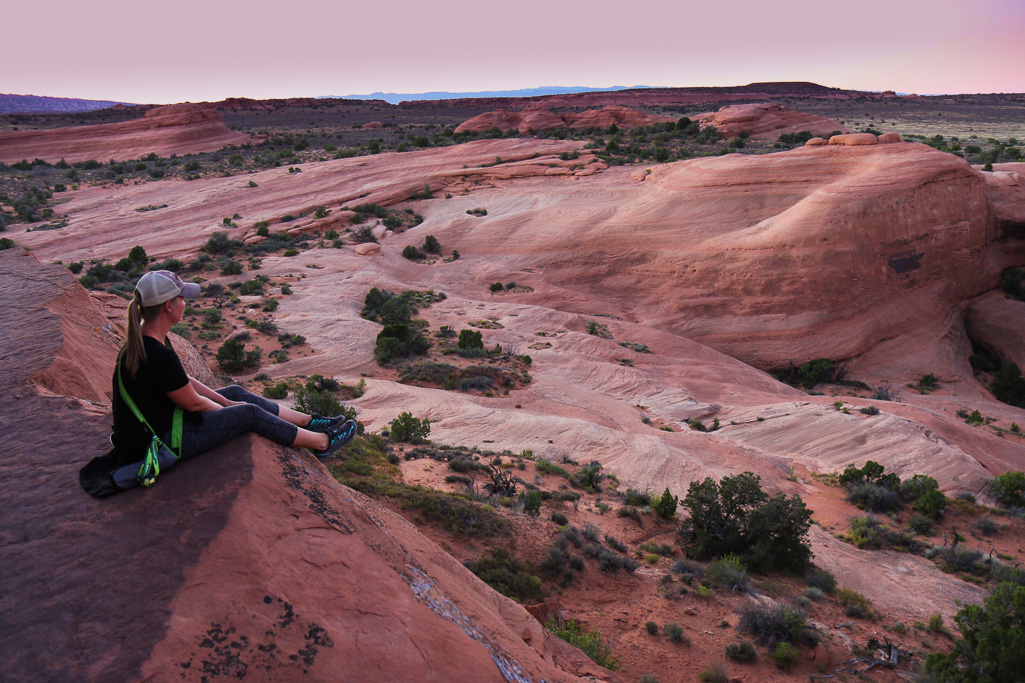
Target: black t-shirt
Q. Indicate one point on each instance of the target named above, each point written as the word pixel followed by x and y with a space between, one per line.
pixel 158 375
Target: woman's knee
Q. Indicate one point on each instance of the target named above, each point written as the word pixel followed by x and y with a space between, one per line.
pixel 232 392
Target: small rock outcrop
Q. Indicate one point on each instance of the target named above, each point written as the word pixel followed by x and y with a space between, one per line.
pixel 175 129
pixel 763 120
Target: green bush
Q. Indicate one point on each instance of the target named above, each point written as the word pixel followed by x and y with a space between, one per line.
pixel 931 504
pixel 674 632
pixel 1009 489
pixel 508 576
pixel 741 652
pixel 431 245
pixel 410 252
pixel 730 573
pixel 665 506
pixel 590 476
pixel 590 643
pixel 786 656
pixel 405 427
pixel 279 390
pixel 560 518
pixel 651 627
pixel 233 358
pixel 470 339
pixel 737 517
pixel 992 642
pixel 1008 385
pixel 772 624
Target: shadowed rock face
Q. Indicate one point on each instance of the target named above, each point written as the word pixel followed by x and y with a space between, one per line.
pixel 248 560
pixel 175 129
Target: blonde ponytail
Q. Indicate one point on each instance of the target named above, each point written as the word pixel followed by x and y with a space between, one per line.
pixel 134 354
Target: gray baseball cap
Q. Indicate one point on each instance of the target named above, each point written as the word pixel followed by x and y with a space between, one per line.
pixel 158 286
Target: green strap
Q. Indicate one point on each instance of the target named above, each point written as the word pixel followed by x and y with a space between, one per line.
pixel 151 464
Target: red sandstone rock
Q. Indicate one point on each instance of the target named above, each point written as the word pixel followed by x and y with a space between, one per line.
pixel 854 139
pixel 763 120
pixel 887 138
pixel 623 117
pixel 175 129
pixel 250 559
pixel 373 125
pixel 816 142
pixel 998 323
pixel 534 118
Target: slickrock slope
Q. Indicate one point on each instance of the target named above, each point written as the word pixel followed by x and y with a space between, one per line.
pixel 867 252
pixel 249 560
pixel 763 120
pixel 998 323
pixel 175 129
pixel 536 118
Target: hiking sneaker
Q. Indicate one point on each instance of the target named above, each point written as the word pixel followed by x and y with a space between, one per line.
pixel 337 438
pixel 324 425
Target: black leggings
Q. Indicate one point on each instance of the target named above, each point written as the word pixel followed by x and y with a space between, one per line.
pixel 217 426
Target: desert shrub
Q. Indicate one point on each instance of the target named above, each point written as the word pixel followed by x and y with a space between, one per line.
pixel 874 498
pixel 638 498
pixel 821 579
pixel 854 603
pixel 917 486
pixel 233 358
pixel 1008 385
pixel 399 341
pixel 532 503
pixel 628 511
pixel 615 544
pixel 591 532
pixel 931 504
pixel 431 245
pixel 589 477
pixel 496 286
pixel 960 559
pixel 279 390
pixel 665 507
pixel 470 339
pixel 405 427
pixel 1009 489
pixel 651 627
pixel 609 561
pixel 687 567
pixel 730 573
pixel 986 526
pixel 674 632
pixel 219 243
pixel 920 524
pixel 786 656
pixel 772 624
pixel 813 593
pixel 743 652
pixel 871 473
pixel 410 252
pixel 548 467
pixel 317 395
pixel 462 464
pixel 590 643
pixel 991 644
pixel 864 531
pixel 508 576
pixel 560 519
pixel 737 517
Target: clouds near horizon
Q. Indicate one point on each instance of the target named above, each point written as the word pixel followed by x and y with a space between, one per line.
pixel 192 51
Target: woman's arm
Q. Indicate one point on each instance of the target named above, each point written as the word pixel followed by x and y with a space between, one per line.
pixel 186 398
pixel 206 392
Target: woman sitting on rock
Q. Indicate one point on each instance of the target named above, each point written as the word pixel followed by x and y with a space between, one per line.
pixel 186 415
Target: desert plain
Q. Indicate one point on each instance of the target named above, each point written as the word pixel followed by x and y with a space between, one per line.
pixel 646 296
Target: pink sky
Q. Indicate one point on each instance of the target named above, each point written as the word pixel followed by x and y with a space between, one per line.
pixel 192 51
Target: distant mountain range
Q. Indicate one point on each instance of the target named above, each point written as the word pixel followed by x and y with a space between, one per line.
pixel 36 104
pixel 395 98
